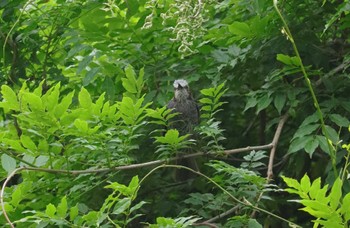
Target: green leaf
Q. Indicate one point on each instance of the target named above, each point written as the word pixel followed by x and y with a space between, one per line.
pixel 76 49
pixel 315 188
pixel 254 224
pixel 84 98
pixel 263 102
pixel 345 207
pixel 291 61
pixel 251 102
pixel 62 207
pixel 129 86
pixel 332 134
pixel 9 99
pixel 139 81
pixel 206 101
pixel 129 83
pixel 171 137
pixel 339 120
pixel 16 196
pixel 305 183
pixel 316 208
pixel 14 144
pixel 73 213
pixel 321 195
pixel 292 183
pixel 208 92
pixel 121 206
pixel 310 119
pixel 82 125
pixel 335 194
pixel 240 28
pixel 305 130
pixel 96 108
pixel 8 163
pixel 299 144
pixel 50 210
pixel 50 99
pixel 280 101
pixel 34 101
pixel 91 217
pixel 39 90
pixel 43 146
pixel 90 76
pixel 137 206
pixel 28 143
pixel 311 145
pixel 206 108
pixel 134 183
pixel 41 160
pixel 105 109
pixel 322 141
pixel 84 63
pixel 62 107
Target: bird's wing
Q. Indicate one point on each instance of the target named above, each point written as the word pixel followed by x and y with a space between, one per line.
pixel 171 104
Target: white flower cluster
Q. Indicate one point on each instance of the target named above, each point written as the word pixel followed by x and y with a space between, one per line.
pixel 189 15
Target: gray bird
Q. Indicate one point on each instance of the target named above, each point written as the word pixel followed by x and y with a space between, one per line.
pixel 187 118
pixel 184 104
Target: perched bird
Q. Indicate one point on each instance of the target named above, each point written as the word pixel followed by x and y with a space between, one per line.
pixel 187 118
pixel 184 104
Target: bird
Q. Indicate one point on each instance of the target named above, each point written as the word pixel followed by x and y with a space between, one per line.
pixel 188 117
pixel 186 107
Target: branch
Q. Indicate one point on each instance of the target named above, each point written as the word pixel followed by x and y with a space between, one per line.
pixel 222 215
pixel 341 67
pixel 274 145
pixel 272 155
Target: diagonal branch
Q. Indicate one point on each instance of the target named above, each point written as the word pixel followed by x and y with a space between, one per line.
pixel 274 145
pixel 272 155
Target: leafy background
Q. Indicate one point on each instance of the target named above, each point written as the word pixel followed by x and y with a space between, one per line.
pixel 84 85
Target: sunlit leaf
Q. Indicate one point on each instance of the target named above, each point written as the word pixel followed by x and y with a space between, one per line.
pixel 85 98
pixel 8 163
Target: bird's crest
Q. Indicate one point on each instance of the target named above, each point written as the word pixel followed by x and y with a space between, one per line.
pixel 180 83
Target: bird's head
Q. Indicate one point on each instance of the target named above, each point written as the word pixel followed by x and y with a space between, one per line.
pixel 182 90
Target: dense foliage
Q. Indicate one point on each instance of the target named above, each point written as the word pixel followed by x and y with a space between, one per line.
pixel 84 123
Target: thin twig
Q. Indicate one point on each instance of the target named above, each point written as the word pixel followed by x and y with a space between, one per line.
pixel 248 148
pixel 2 195
pixel 342 66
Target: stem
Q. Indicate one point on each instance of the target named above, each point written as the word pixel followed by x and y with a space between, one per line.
pixel 307 80
pixel 343 175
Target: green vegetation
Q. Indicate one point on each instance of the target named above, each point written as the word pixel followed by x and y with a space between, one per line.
pixel 84 137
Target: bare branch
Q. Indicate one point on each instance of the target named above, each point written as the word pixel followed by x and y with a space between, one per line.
pixel 222 215
pixel 272 155
pixel 274 145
